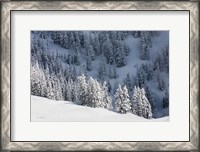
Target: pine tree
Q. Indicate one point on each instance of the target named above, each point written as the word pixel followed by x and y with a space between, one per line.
pixel 75 93
pixel 122 101
pixel 106 100
pixel 148 69
pixel 66 40
pixel 38 81
pixel 57 89
pixel 74 74
pixel 81 37
pixel 96 45
pixel 50 93
pixel 82 89
pixel 128 82
pixel 68 93
pixel 107 49
pixel 70 58
pixel 120 57
pixel 94 98
pixel 113 72
pixel 151 100
pixel 115 87
pixel 71 40
pixel 90 52
pixel 159 63
pixel 102 71
pixel 135 100
pixel 77 40
pixel 145 45
pixel 140 79
pixel 140 104
pixel 61 39
pixel 86 42
pixel 76 56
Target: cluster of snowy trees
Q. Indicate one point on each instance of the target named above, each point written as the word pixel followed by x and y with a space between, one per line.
pixel 66 76
pixel 139 104
pixel 80 91
pixel 88 93
pixel 109 44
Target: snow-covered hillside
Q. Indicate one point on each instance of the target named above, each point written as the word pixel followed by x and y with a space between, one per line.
pixel 121 71
pixel 43 109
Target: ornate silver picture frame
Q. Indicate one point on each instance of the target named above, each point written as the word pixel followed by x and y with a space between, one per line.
pixel 7 7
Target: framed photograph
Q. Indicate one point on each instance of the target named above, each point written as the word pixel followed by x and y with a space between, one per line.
pixel 109 75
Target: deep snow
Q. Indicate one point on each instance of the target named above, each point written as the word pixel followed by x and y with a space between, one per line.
pixel 43 109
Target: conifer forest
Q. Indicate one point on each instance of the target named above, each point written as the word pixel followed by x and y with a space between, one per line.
pixel 121 72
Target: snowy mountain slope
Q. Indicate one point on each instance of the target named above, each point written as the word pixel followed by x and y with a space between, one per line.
pixel 43 109
pixel 49 53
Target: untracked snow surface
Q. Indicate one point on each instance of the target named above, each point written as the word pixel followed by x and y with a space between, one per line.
pixel 43 109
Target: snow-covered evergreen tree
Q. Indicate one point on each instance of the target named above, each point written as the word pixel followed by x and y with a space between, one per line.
pixel 122 101
pixel 102 73
pixel 68 93
pixel 107 49
pixel 86 41
pixel 71 40
pixel 151 100
pixel 113 72
pixel 145 45
pixel 106 100
pixel 140 78
pixel 66 40
pixel 61 39
pixel 75 93
pixel 120 57
pixel 74 74
pixel 140 104
pixel 90 52
pixel 148 69
pixel 77 40
pixel 82 90
pixel 57 88
pixel 128 82
pixel 159 63
pixel 94 98
pixel 38 81
pixel 96 45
